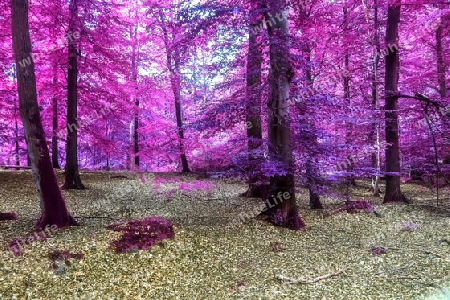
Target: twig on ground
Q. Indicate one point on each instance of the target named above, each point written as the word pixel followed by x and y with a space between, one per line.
pixel 99 217
pixel 412 249
pixel 304 281
pixel 398 277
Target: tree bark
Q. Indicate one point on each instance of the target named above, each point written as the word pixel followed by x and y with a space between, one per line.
pixel 253 100
pixel 175 79
pixel 374 136
pixel 312 171
pixel 55 161
pixel 136 100
pixel 285 213
pixel 53 207
pixel 72 175
pixel 16 131
pixel 440 62
pixel 349 126
pixel 393 192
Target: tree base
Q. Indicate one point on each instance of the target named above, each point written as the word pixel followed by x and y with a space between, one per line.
pixel 291 220
pixel 253 191
pixel 314 201
pixel 396 197
pixel 60 221
pixel 73 186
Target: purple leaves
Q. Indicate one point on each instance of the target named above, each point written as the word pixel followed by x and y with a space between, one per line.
pixel 409 226
pixel 141 234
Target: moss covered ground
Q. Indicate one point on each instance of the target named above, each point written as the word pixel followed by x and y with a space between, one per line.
pixel 209 259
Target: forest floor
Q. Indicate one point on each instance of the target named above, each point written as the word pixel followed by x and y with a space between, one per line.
pixel 209 259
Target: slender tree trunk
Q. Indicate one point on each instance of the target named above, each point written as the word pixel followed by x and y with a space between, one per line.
pixel 16 131
pixel 393 192
pixel 17 155
pixel 349 126
pixel 175 80
pixel 374 136
pixel 440 63
pixel 312 172
pixel 136 100
pixel 253 101
pixel 285 213
pixel 72 175
pixel 55 161
pixel 53 207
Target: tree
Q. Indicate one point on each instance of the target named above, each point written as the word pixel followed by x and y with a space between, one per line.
pixel 53 207
pixel 285 213
pixel 253 99
pixel 72 175
pixel 393 192
pixel 374 135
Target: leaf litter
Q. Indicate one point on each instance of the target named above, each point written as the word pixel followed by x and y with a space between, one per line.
pixel 209 259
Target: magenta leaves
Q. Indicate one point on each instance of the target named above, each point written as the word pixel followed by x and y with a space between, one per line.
pixel 141 234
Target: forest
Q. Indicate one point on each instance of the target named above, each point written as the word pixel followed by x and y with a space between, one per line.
pixel 225 149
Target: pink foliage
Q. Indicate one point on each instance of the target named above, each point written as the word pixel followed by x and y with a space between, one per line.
pixel 141 234
pixel 197 185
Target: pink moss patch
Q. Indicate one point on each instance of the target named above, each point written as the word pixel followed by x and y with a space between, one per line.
pixel 141 234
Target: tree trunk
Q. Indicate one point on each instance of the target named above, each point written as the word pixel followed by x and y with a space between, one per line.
pixel 349 126
pixel 253 101
pixel 16 131
pixel 285 213
pixel 72 175
pixel 136 100
pixel 175 79
pixel 440 63
pixel 374 136
pixel 53 207
pixel 393 192
pixel 312 172
pixel 55 161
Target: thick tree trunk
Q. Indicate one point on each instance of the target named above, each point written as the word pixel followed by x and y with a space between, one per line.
pixel 55 161
pixel 53 207
pixel 393 192
pixel 285 213
pixel 72 175
pixel 253 100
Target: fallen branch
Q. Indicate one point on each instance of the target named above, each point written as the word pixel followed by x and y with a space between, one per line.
pixel 398 277
pixel 412 249
pixel 304 281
